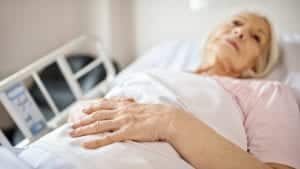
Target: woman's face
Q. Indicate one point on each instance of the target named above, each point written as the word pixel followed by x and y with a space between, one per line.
pixel 239 42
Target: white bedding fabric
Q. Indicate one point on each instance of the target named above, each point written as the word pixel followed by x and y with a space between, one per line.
pixel 176 55
pixel 9 160
pixel 201 96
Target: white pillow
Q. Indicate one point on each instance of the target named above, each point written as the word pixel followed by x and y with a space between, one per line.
pixel 290 44
pixel 9 160
pixel 293 81
pixel 173 54
pixel 291 51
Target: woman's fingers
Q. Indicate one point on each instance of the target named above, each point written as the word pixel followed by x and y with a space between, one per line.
pixel 122 99
pixel 96 116
pixel 97 127
pixel 108 104
pixel 117 136
pixel 101 105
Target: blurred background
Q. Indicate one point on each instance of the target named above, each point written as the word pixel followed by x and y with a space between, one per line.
pixel 30 29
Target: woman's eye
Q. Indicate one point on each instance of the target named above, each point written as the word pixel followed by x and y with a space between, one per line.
pixel 256 38
pixel 237 23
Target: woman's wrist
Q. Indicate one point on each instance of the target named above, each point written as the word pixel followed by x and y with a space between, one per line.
pixel 175 119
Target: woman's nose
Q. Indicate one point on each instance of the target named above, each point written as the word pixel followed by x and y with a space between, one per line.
pixel 239 33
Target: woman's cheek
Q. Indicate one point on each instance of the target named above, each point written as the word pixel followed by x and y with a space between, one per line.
pixel 253 48
pixel 249 60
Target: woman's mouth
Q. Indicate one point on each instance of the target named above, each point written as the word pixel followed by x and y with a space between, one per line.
pixel 233 44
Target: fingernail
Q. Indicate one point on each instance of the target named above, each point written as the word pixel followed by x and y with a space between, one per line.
pixel 85 145
pixel 74 125
pixel 72 133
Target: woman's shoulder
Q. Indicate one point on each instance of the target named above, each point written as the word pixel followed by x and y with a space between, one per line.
pixel 266 87
pixel 254 84
pixel 254 92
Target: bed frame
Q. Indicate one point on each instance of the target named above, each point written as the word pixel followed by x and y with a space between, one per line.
pixel 83 44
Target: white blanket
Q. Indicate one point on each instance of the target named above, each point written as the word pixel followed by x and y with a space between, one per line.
pixel 202 96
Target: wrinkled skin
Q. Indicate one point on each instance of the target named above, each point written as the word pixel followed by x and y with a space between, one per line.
pixel 125 120
pixel 237 45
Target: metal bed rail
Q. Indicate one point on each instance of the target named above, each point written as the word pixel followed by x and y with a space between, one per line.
pixel 58 56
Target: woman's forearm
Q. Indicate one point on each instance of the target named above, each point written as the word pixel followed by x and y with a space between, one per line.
pixel 204 148
pixel 195 141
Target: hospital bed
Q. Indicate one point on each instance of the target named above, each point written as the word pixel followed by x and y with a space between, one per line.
pixel 173 55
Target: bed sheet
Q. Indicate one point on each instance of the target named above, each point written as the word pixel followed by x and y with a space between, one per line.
pixel 208 102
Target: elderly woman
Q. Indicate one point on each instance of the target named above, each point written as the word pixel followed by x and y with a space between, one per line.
pixel 242 47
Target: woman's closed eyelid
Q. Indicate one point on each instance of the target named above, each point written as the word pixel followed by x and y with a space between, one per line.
pixel 256 38
pixel 237 22
pixel 262 34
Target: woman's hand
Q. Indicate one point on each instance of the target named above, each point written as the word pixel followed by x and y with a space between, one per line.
pixel 78 112
pixel 124 119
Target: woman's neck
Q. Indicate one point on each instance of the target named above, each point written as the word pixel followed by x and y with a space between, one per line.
pixel 217 69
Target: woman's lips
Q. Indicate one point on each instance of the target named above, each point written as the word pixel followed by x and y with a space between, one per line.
pixel 233 43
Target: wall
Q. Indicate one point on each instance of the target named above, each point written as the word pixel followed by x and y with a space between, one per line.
pixel 157 20
pixel 113 22
pixel 31 28
pixel 123 28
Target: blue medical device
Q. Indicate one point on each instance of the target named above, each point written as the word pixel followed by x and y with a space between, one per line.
pixel 23 110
